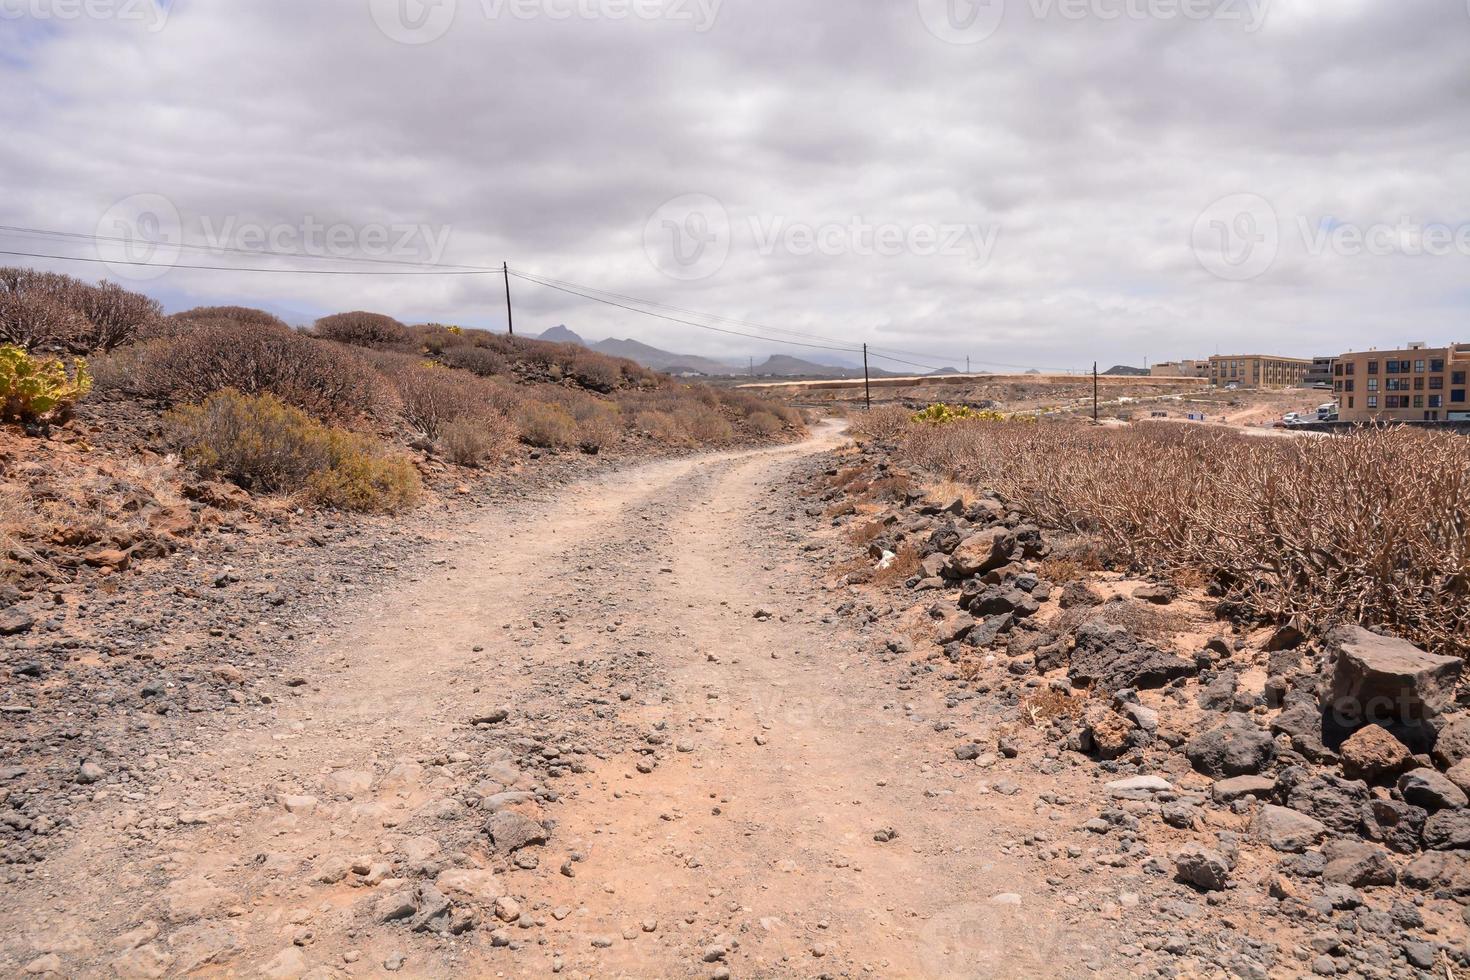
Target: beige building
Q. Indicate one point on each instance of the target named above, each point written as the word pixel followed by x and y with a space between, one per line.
pixel 1258 370
pixel 1181 369
pixel 1417 383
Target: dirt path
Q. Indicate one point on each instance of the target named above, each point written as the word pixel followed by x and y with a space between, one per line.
pixel 713 748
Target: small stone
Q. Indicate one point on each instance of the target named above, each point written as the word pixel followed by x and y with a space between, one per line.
pixel 1201 867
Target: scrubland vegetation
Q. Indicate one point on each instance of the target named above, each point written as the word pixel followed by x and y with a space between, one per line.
pixel 1370 527
pixel 335 414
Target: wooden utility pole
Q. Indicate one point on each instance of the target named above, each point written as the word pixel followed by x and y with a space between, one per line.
pixel 867 387
pixel 1094 391
pixel 510 322
pixel 967 363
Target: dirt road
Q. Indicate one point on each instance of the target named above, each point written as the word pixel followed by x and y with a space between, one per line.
pixel 713 750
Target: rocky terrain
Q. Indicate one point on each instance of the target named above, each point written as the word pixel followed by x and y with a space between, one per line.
pixel 770 712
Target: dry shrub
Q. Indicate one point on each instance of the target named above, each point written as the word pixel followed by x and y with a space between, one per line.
pixel 547 426
pixel 1369 527
pixel 766 424
pixel 705 425
pixel 865 533
pixel 431 396
pixel 905 565
pixel 476 441
pixel 477 360
pixel 1044 704
pixel 236 314
pixel 362 329
pixel 266 445
pixel 98 318
pixel 661 427
pixel 325 380
pixel 884 423
pixel 438 339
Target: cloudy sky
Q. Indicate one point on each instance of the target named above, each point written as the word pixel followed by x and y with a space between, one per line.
pixel 1026 182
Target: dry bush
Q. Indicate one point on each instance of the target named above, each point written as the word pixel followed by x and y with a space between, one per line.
pixel 1369 527
pixel 767 425
pixel 865 533
pixel 477 360
pixel 326 380
pixel 547 425
pixel 104 316
pixel 705 425
pixel 905 565
pixel 431 396
pixel 362 329
pixel 661 427
pixel 265 445
pixel 478 440
pixel 438 339
pixel 1044 704
pixel 236 314
pixel 884 423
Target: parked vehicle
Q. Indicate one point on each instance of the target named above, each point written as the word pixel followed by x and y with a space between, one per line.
pixel 1327 412
pixel 1292 418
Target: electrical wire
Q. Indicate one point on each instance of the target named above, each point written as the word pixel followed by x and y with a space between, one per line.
pixel 226 268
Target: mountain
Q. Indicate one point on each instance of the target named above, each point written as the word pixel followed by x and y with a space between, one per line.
pixel 1125 371
pixel 661 360
pixel 561 335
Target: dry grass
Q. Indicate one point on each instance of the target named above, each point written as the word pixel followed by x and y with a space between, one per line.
pixel 1041 706
pixel 863 534
pixel 1370 527
pixel 905 565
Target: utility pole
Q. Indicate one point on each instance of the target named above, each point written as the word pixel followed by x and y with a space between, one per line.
pixel 1094 391
pixel 867 386
pixel 509 319
pixel 967 363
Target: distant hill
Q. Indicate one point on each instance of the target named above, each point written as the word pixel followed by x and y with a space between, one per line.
pixel 774 366
pixel 1123 370
pixel 561 335
pixel 661 360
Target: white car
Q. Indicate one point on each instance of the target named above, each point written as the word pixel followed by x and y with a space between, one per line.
pixel 1292 418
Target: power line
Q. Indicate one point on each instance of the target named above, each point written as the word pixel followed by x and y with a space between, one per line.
pixel 433 269
pixel 744 323
pixel 691 323
pixel 226 268
pixel 277 253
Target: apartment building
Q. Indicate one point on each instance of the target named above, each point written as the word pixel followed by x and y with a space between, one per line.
pixel 1320 373
pixel 1417 383
pixel 1180 369
pixel 1258 370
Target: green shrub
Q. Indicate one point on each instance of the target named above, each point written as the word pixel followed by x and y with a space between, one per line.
pixel 942 414
pixel 39 389
pixel 266 445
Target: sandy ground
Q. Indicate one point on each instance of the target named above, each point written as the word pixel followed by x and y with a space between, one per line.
pixel 658 618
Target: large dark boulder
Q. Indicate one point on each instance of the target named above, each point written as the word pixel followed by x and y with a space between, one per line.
pixel 1386 680
pixel 1110 658
pixel 1448 830
pixel 1335 801
pixel 1236 747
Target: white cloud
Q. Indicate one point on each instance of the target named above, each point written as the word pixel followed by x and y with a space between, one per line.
pixel 1089 146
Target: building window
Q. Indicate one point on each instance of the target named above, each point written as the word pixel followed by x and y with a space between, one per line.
pixel 1372 401
pixel 1350 401
pixel 1418 384
pixel 1372 367
pixel 1372 384
pixel 1419 367
pixel 1418 401
pixel 1436 401
pixel 1391 367
pixel 1436 384
pixel 1436 365
pixel 1457 377
pixel 1347 385
pixel 1337 370
pixel 1457 396
pixel 1350 366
